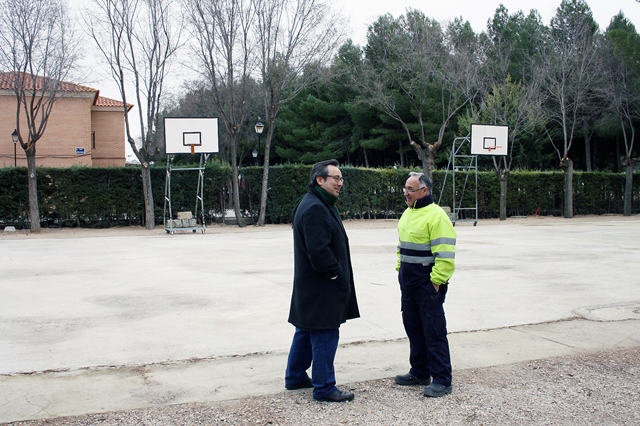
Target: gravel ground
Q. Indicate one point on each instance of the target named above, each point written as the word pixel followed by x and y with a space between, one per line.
pixel 598 388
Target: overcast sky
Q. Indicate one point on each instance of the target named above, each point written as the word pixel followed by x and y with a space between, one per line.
pixel 477 12
pixel 362 13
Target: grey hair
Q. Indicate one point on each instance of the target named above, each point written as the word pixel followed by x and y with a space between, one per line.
pixel 321 169
pixel 424 180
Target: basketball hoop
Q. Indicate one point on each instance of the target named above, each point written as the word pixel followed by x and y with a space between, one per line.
pixel 489 139
pixel 190 135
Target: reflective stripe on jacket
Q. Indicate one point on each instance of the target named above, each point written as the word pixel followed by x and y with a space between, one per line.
pixel 426 247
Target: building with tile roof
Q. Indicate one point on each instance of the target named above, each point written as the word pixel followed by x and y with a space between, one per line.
pixel 84 128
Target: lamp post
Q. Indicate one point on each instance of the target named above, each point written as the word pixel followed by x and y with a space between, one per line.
pixel 14 137
pixel 259 128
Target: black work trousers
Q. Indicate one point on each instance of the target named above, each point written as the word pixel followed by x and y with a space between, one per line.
pixel 426 327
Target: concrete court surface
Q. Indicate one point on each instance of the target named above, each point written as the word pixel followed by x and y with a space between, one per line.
pixel 111 321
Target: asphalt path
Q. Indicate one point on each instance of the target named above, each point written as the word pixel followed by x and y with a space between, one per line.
pixel 112 320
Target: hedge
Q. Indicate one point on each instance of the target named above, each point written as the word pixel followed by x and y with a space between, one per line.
pixel 106 197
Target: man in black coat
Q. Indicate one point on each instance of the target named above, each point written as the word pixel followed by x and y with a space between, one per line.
pixel 324 295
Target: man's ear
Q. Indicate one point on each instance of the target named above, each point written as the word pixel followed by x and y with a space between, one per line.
pixel 319 180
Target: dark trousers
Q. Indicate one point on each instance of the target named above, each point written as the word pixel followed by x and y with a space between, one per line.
pixel 319 347
pixel 426 327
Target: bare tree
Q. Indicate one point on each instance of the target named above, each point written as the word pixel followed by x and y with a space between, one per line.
pixel 413 61
pixel 221 34
pixel 516 106
pixel 38 48
pixel 461 80
pixel 571 76
pixel 137 38
pixel 401 62
pixel 510 101
pixel 292 36
pixel 622 90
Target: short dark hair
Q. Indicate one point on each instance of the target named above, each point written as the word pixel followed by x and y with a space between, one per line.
pixel 424 180
pixel 321 169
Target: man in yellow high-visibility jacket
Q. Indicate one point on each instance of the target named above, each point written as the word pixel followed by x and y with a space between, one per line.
pixel 426 261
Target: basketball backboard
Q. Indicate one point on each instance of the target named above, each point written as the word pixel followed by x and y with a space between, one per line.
pixel 190 135
pixel 489 139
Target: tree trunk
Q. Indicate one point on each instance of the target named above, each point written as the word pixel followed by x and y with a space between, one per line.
pixel 149 213
pixel 503 197
pixel 235 180
pixel 628 186
pixel 429 161
pixel 567 166
pixel 236 194
pixel 587 151
pixel 265 177
pixel 263 193
pixel 32 178
pixel 616 161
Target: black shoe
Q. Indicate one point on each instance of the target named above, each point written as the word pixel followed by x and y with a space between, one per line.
pixel 337 396
pixel 293 386
pixel 435 390
pixel 410 380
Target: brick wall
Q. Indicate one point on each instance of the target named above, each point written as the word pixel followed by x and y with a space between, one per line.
pixel 7 124
pixel 67 138
pixel 108 128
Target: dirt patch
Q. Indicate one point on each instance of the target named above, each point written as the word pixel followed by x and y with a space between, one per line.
pixel 597 388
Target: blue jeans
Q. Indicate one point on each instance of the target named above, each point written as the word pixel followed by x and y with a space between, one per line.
pixel 426 327
pixel 319 347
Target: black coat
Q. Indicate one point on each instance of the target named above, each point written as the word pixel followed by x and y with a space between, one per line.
pixel 321 252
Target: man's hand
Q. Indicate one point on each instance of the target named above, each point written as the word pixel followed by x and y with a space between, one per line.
pixel 436 286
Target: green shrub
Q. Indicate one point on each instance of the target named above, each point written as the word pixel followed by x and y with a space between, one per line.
pixel 106 197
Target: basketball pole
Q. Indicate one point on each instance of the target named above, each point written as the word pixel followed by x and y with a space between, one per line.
pixel 183 135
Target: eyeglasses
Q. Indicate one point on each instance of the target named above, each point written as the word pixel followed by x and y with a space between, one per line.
pixel 411 191
pixel 337 178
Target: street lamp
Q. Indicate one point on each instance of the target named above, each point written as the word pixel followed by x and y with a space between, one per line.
pixel 14 137
pixel 259 128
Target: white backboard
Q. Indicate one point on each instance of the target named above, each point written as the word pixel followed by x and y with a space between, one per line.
pixel 489 139
pixel 190 135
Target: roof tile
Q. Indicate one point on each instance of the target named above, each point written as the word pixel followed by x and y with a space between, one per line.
pixel 7 82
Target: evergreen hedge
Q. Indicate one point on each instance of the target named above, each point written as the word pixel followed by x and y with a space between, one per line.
pixel 106 197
